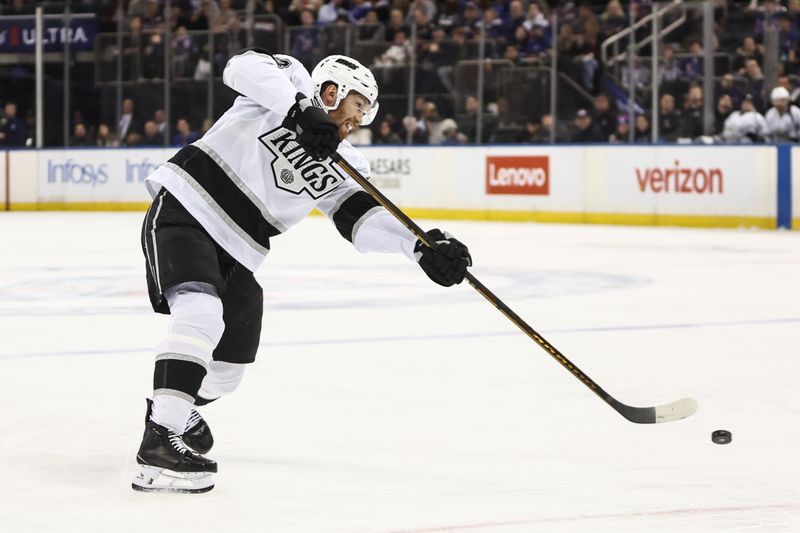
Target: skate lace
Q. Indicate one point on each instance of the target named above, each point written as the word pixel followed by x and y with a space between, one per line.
pixel 194 419
pixel 178 443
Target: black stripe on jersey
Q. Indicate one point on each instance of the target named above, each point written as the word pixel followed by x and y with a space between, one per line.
pixel 179 375
pixel 225 193
pixel 351 211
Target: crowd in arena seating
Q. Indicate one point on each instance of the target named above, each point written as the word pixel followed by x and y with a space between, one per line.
pixel 518 32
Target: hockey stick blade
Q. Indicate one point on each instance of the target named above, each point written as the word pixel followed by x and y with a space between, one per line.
pixel 639 415
pixel 669 412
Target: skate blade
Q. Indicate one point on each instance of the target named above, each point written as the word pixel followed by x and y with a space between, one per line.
pixel 156 479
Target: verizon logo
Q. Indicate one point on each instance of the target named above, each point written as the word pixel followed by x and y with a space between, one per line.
pixel 518 175
pixel 681 180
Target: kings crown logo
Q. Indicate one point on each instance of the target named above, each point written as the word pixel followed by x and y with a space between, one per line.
pixel 295 170
pixel 286 176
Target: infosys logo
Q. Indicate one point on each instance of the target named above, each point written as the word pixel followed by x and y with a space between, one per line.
pixel 518 175
pixel 72 171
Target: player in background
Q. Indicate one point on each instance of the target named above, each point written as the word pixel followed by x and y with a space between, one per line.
pixel 217 203
pixel 783 118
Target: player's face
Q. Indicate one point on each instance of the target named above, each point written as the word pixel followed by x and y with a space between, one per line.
pixel 349 113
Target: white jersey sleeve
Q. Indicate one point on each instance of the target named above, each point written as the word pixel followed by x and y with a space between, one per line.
pixel 360 219
pixel 270 80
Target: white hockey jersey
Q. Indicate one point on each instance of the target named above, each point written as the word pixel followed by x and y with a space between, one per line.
pixel 783 127
pixel 247 179
pixel 745 128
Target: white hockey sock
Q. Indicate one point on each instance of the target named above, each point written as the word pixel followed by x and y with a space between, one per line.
pixel 222 379
pixel 171 412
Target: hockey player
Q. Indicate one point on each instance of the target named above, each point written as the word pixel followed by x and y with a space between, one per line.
pixel 259 170
pixel 745 126
pixel 783 118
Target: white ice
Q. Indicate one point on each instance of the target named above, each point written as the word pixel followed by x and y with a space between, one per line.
pixel 382 403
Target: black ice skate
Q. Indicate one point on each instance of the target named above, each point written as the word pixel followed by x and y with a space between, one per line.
pixel 197 435
pixel 166 464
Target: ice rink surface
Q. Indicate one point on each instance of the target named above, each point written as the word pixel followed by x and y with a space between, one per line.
pixel 382 403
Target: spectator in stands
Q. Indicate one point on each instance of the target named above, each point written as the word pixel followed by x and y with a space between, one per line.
pixel 587 25
pixel 80 136
pixel 450 134
pixel 151 136
pixel 535 18
pixel 205 126
pixel 468 121
pixel 411 127
pixel 755 78
pixel 105 139
pixel 450 16
pixel 613 19
pixel 128 122
pixel 787 36
pixel 786 83
pixel 160 119
pixel 537 45
pixel 492 24
pixel 533 132
pixel 728 85
pixel 293 15
pixel 179 17
pixel 669 118
pixel 472 17
pixel 746 125
pixel 603 116
pixel 425 25
pixel 428 6
pixel 330 11
pixel 134 138
pixel 670 73
pixel 722 112
pixel 19 7
pixel 513 20
pixel 691 67
pixel 182 53
pixel 512 54
pixel 623 132
pixel 748 50
pixel 152 18
pixel 306 45
pixel 764 15
pixel 783 119
pixel 397 54
pixel 642 133
pixel 692 123
pixel 201 18
pixel 184 135
pixel 226 18
pixel 435 55
pixel 386 135
pixel 12 129
pixel 396 24
pixel 584 129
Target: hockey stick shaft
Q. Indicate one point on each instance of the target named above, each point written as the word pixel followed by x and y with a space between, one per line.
pixel 674 411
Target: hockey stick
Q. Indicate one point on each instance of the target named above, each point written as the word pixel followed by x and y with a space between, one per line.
pixel 641 415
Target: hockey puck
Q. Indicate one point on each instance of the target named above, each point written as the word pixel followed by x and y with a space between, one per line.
pixel 721 436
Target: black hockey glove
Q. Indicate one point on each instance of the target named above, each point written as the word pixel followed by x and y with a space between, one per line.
pixel 447 264
pixel 316 132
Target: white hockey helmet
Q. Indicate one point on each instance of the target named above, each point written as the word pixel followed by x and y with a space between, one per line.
pixel 779 93
pixel 348 75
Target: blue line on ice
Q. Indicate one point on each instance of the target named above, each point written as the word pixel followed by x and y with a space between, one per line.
pixel 408 338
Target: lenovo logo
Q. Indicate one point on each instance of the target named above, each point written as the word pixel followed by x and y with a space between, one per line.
pixel 518 175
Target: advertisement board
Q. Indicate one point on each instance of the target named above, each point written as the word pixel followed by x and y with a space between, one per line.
pixel 795 185
pixel 99 176
pixel 18 33
pixel 713 182
pixel 728 186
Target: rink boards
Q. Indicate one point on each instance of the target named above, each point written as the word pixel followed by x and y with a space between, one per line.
pixel 714 186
